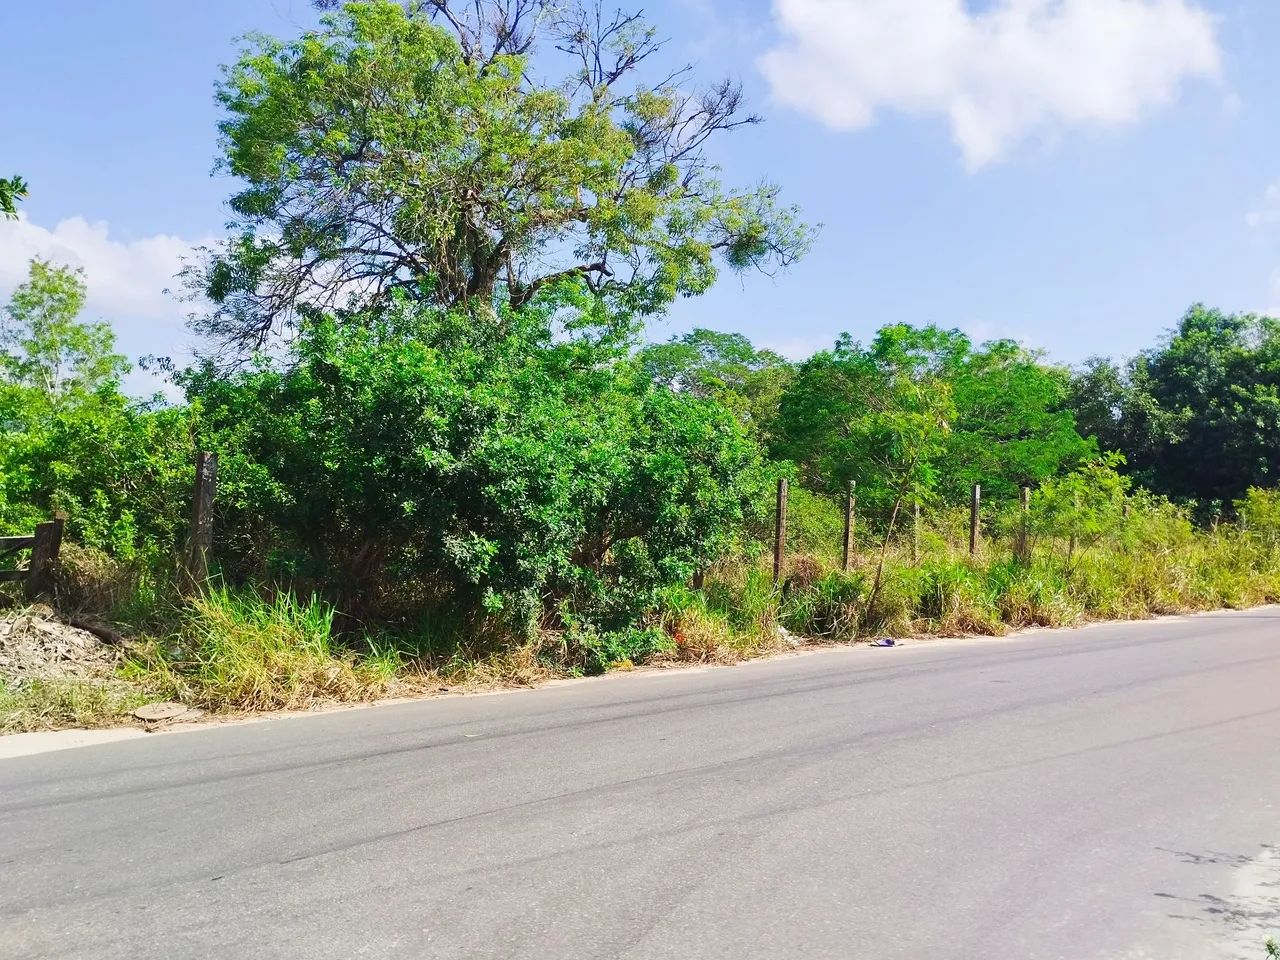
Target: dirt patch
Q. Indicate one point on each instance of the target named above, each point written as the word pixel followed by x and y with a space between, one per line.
pixel 33 644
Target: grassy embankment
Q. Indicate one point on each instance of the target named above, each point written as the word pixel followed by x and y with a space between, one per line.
pixel 242 650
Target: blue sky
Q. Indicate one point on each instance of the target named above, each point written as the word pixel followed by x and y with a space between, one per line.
pixel 1070 173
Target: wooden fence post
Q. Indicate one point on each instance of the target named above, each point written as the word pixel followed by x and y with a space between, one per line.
pixel 915 531
pixel 850 518
pixel 1071 541
pixel 780 531
pixel 1024 534
pixel 201 541
pixel 44 553
pixel 975 509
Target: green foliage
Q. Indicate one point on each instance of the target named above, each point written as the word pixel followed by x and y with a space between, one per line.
pixel 507 472
pixel 383 152
pixel 69 440
pixel 921 410
pixel 1086 504
pixel 12 190
pixel 120 469
pixel 1259 513
pixel 45 346
pixel 1197 417
pixel 815 523
pixel 723 367
pixel 599 651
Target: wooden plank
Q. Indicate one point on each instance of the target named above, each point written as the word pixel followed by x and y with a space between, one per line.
pixel 850 518
pixel 915 531
pixel 975 522
pixel 12 576
pixel 16 543
pixel 44 554
pixel 1024 534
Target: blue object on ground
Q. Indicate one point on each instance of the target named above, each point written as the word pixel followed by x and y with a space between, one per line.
pixel 884 642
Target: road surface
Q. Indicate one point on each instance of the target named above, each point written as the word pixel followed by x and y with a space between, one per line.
pixel 1112 792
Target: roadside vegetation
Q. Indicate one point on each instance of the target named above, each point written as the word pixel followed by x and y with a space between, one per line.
pixel 447 457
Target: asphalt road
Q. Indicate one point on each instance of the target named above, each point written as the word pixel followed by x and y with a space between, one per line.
pixel 1104 793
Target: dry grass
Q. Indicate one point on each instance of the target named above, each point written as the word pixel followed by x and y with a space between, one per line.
pixel 243 651
pixel 54 704
pixel 239 651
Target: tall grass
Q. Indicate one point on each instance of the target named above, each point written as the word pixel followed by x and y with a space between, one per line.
pixel 256 648
pixel 243 651
pixel 949 593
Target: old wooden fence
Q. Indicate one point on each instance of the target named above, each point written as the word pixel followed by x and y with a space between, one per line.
pixel 44 544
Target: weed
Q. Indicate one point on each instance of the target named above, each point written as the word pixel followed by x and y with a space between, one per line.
pixel 50 704
pixel 239 650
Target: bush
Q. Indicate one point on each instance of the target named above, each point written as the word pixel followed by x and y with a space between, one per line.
pixel 120 469
pixel 618 649
pixel 415 461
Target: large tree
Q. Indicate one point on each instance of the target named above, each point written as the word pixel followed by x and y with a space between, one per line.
pixel 417 148
pixel 1197 417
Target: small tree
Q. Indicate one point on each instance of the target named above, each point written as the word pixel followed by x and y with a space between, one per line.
pixel 1083 507
pixel 45 346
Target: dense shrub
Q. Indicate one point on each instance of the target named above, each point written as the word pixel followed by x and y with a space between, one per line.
pixel 412 459
pixel 120 469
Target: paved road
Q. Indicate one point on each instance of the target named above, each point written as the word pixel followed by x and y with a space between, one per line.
pixel 1105 793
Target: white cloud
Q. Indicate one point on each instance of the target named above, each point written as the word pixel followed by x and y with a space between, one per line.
pixel 998 75
pixel 1269 211
pixel 126 279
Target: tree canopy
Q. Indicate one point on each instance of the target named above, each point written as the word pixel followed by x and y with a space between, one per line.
pixel 1197 417
pixel 923 403
pixel 416 150
pixel 43 342
pixel 724 367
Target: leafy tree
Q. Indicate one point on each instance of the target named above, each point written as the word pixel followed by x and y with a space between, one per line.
pixel 12 189
pixel 1197 417
pixel 1082 507
pixel 723 367
pixel 1013 424
pixel 411 150
pixel 851 412
pixel 45 345
pixel 69 440
pixel 1098 396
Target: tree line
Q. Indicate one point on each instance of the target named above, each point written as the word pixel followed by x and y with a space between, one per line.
pixel 424 375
